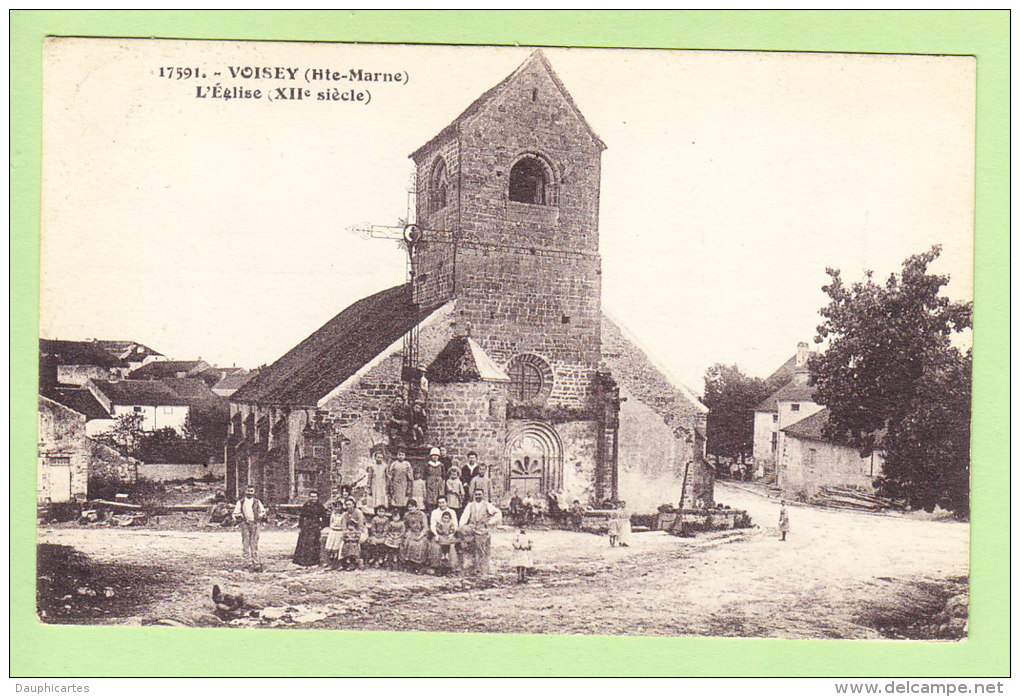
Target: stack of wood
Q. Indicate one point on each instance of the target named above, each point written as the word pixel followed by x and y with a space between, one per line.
pixel 852 499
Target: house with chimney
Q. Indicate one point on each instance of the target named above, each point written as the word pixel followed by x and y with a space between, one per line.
pixel 791 402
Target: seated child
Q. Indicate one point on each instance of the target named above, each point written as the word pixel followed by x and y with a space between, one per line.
pixel 446 538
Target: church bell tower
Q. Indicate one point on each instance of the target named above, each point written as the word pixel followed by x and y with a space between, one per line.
pixel 508 205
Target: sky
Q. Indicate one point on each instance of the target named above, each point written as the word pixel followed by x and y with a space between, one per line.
pixel 218 228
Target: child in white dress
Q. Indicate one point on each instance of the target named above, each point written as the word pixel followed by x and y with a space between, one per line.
pixel 523 559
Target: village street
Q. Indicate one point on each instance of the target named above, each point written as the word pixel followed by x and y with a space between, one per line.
pixel 840 574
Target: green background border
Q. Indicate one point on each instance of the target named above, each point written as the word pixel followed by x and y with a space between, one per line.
pixel 40 650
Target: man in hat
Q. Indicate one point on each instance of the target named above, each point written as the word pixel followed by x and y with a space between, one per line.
pixel 480 518
pixel 250 512
pixel 469 470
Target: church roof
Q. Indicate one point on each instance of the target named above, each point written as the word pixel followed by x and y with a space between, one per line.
pixel 463 360
pixel 536 58
pixel 810 427
pixel 639 374
pixel 349 341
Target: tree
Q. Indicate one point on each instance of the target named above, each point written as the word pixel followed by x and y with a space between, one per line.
pixel 893 381
pixel 125 434
pixel 731 398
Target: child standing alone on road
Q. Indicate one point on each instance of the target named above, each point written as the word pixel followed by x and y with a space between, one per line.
pixel 522 557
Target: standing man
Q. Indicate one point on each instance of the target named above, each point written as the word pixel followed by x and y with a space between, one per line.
pixel 481 480
pixel 250 512
pixel 479 520
pixel 470 470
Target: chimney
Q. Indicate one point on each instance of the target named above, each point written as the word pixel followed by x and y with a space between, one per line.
pixel 802 356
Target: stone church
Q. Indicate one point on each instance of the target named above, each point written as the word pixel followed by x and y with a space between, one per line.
pixel 497 343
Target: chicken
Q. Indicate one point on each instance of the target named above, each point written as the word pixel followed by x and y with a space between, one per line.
pixel 227 606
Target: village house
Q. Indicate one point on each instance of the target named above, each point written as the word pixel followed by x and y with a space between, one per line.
pixel 63 458
pixel 157 405
pixel 497 344
pixel 75 362
pixel 789 403
pixel 809 462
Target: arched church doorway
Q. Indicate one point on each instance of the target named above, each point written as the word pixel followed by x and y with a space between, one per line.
pixel 534 458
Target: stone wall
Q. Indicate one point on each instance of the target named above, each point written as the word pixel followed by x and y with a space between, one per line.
pixel 63 452
pixel 470 416
pixel 808 465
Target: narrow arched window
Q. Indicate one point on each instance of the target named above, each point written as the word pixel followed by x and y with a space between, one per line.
pixel 438 186
pixel 531 182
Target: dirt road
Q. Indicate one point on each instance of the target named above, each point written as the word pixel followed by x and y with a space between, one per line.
pixel 839 575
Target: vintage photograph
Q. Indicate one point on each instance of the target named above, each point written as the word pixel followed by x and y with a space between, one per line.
pixel 505 339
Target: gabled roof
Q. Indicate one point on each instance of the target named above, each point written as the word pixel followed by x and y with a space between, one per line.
pixel 320 363
pixel 793 391
pixel 536 58
pixel 81 400
pixel 234 381
pixel 77 353
pixel 784 373
pixel 463 360
pixel 139 392
pixel 157 370
pixel 810 427
pixel 127 349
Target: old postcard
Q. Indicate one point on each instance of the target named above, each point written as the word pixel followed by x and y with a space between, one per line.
pixel 506 340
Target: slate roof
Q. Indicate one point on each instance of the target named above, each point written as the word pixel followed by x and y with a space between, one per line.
pixel 476 106
pixel 157 370
pixel 810 427
pixel 81 400
pixel 140 392
pixel 320 363
pixel 463 360
pixel 792 391
pixel 77 353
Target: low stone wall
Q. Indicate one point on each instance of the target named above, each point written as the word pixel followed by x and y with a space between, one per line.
pixel 165 472
pixel 694 520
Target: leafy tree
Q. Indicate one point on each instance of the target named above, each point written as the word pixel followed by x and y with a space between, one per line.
pixel 893 381
pixel 125 434
pixel 731 398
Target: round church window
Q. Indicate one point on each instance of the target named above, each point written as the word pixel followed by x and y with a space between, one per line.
pixel 530 378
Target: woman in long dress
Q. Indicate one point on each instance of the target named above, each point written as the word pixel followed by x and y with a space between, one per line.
pixel 313 519
pixel 415 548
pixel 377 495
